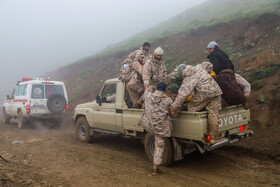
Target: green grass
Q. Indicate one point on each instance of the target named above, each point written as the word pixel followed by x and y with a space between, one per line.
pixel 259 50
pixel 263 72
pixel 204 15
pixel 257 85
pixel 85 72
pixel 262 99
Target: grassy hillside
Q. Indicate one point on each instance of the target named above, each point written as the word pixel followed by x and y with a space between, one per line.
pixel 212 12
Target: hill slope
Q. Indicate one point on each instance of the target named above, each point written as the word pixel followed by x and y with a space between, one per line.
pixel 210 13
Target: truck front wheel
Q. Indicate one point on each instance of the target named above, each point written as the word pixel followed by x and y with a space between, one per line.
pixel 83 130
pixel 168 155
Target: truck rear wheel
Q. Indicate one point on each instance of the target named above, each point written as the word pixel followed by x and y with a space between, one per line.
pixel 6 118
pixel 21 121
pixel 168 155
pixel 83 130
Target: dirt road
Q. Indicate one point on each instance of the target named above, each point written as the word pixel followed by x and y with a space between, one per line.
pixel 53 157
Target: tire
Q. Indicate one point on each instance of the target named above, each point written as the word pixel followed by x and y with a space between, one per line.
pixel 56 103
pixel 168 154
pixel 83 130
pixel 21 120
pixel 6 118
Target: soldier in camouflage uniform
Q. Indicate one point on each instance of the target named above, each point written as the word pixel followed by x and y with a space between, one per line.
pixel 207 94
pixel 206 65
pixel 174 81
pixel 144 49
pixel 135 86
pixel 154 70
pixel 157 121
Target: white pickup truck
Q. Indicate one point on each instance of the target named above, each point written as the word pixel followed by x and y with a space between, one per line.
pixel 111 113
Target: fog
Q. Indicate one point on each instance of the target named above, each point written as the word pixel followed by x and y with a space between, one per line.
pixel 38 36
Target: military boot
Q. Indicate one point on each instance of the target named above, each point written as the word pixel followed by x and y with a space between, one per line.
pixel 156 170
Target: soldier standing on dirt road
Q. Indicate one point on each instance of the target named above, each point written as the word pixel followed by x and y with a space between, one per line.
pixel 135 86
pixel 156 120
pixel 154 70
pixel 218 58
pixel 207 94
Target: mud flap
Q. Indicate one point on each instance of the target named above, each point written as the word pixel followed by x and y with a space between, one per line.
pixel 178 153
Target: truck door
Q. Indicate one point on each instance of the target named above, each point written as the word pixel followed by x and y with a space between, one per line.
pixel 105 115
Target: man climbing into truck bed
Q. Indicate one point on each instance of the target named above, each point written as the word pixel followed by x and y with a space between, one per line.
pixel 207 94
pixel 157 121
pixel 135 86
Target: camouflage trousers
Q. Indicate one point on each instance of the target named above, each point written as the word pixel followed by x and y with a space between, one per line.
pixel 213 107
pixel 159 149
pixel 135 91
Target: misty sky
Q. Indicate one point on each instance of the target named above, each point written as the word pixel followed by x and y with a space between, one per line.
pixel 38 36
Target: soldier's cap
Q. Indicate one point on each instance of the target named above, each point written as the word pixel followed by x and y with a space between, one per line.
pixel 158 51
pixel 146 44
pixel 212 44
pixel 161 86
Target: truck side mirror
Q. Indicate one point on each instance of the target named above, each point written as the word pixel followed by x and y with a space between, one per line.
pixel 98 100
pixel 8 97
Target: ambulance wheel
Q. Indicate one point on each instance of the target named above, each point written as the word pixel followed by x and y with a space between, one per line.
pixel 21 120
pixel 6 118
pixel 168 154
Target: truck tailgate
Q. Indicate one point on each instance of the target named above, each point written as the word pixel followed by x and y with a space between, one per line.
pixel 232 117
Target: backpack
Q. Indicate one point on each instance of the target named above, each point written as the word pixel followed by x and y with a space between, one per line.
pixel 126 70
pixel 232 92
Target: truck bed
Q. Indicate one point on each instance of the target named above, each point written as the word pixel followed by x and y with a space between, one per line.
pixel 193 125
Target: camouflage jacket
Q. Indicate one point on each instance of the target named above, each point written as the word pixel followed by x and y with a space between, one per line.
pixel 196 79
pixel 136 75
pixel 132 55
pixel 156 119
pixel 154 72
pixel 174 81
